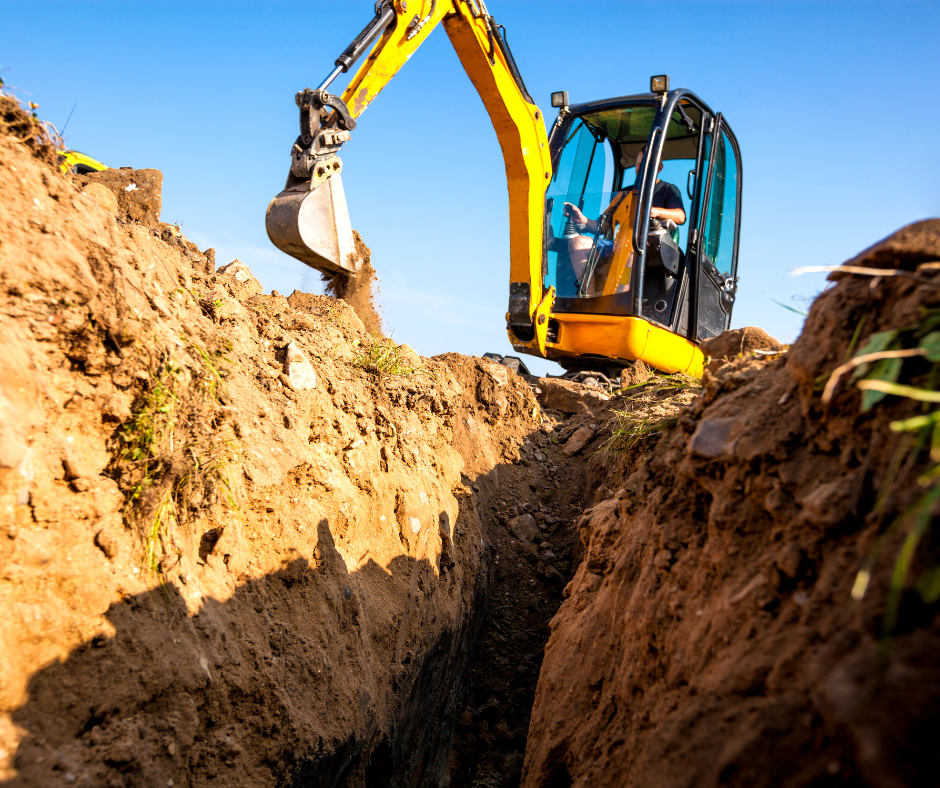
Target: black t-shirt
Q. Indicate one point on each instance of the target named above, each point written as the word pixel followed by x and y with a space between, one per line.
pixel 665 195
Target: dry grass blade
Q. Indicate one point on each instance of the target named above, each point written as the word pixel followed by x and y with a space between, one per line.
pixel 382 355
pixel 855 269
pixel 839 371
pixel 921 395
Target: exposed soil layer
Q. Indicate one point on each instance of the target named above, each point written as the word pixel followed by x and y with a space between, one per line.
pixel 236 549
pixel 360 291
pixel 230 554
pixel 710 636
pixel 138 193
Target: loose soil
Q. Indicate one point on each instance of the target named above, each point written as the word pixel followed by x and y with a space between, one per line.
pixel 360 291
pixel 234 551
pixel 710 636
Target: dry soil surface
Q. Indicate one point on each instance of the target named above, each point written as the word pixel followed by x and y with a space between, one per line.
pixel 710 636
pixel 236 548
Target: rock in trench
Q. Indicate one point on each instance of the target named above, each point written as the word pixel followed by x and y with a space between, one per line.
pixel 524 528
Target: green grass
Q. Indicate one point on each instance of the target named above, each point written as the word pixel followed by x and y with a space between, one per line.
pixel 920 437
pixel 662 382
pixel 383 356
pixel 632 428
pixel 170 456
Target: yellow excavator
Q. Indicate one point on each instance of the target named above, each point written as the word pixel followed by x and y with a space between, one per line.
pixel 595 282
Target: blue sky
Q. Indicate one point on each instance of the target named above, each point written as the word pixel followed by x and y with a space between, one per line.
pixel 834 105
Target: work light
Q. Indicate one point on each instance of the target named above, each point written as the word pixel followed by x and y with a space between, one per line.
pixel 560 99
pixel 659 84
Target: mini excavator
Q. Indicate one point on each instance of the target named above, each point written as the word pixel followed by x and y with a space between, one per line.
pixel 646 289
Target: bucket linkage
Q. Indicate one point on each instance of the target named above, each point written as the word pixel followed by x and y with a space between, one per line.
pixel 309 220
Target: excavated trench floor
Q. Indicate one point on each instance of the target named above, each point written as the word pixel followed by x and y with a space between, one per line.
pixel 540 500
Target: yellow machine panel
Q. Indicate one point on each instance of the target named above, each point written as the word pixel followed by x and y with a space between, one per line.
pixel 626 339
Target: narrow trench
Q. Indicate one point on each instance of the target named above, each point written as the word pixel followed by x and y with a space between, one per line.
pixel 543 491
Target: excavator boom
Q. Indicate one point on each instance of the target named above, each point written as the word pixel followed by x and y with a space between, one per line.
pixel 309 219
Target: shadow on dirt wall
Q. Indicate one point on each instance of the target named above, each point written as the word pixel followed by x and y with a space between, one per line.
pixel 285 683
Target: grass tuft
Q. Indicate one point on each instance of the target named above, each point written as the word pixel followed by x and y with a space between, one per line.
pixel 171 462
pixel 383 356
pixel 632 428
pixel 920 436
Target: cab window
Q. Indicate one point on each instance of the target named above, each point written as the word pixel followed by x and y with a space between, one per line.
pixel 583 176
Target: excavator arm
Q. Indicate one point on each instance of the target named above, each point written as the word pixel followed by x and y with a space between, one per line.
pixel 309 219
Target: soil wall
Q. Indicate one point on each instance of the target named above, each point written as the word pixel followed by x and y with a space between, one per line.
pixel 234 548
pixel 247 540
pixel 710 635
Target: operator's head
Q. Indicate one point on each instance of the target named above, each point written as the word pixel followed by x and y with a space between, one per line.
pixel 639 160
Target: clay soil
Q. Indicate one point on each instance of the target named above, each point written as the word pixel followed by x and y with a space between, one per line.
pixel 236 550
pixel 711 636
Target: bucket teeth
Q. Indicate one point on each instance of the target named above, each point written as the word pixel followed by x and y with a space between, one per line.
pixel 313 226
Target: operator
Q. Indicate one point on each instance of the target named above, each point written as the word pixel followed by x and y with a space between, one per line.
pixel 667 204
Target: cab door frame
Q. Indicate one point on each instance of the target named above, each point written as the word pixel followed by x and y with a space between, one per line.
pixel 720 129
pixel 712 124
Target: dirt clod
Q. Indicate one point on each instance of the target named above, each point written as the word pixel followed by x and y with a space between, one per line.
pixel 738 342
pixel 634 375
pixel 138 194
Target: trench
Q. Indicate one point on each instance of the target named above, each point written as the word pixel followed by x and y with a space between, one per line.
pixel 463 715
pixel 524 590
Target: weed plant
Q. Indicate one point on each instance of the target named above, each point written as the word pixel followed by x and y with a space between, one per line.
pixel 382 356
pixel 170 460
pixel 636 425
pixel 876 369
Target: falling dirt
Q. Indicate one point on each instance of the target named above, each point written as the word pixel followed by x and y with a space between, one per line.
pixel 236 550
pixel 360 291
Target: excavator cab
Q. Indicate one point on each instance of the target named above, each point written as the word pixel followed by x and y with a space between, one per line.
pixel 647 288
pixel 595 282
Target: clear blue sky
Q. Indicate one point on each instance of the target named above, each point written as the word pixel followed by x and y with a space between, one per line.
pixel 834 104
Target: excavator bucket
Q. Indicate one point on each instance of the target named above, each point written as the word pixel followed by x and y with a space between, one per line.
pixel 313 226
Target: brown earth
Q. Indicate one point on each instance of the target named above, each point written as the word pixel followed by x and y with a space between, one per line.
pixel 710 636
pixel 138 193
pixel 738 342
pixel 360 291
pixel 232 555
pixel 235 551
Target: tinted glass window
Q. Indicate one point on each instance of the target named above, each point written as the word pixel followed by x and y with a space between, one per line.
pixel 718 232
pixel 583 176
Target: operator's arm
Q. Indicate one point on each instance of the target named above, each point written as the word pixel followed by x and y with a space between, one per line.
pixel 572 210
pixel 672 204
pixel 676 214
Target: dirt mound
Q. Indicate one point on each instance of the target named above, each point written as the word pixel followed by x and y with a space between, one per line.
pixel 739 342
pixel 358 291
pixel 734 619
pixel 230 552
pixel 139 193
pixel 27 130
